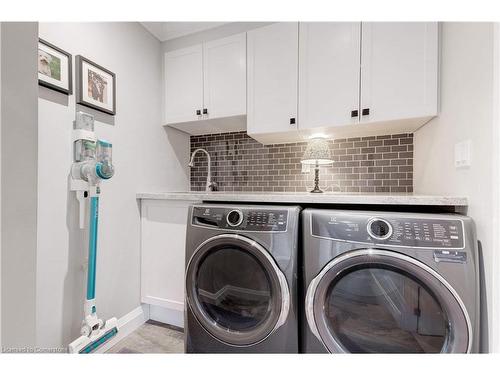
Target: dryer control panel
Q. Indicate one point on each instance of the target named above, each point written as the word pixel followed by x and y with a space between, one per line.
pixel 390 230
pixel 242 219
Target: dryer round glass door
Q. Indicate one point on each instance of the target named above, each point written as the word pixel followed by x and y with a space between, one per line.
pixel 377 301
pixel 236 291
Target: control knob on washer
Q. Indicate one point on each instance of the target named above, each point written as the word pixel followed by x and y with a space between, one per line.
pixel 234 218
pixel 379 229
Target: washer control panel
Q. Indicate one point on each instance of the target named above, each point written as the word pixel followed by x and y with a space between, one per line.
pixel 397 231
pixel 254 220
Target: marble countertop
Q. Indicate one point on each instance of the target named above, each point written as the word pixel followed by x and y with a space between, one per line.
pixel 324 198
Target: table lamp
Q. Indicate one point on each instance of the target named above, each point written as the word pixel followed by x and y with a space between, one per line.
pixel 317 153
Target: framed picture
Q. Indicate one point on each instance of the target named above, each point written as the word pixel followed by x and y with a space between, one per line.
pixel 96 86
pixel 54 68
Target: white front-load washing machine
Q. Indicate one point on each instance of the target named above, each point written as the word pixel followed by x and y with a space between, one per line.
pixel 385 282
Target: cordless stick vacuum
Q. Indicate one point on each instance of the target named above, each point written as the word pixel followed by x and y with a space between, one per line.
pixel 92 163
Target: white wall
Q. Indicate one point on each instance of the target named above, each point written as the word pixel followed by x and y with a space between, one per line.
pixel 495 305
pixel 0 184
pixel 19 182
pixel 467 71
pixel 147 157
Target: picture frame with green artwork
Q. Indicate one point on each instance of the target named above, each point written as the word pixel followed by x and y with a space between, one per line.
pixel 54 68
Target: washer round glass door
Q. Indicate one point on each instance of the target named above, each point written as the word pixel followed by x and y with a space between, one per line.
pixel 378 301
pixel 236 291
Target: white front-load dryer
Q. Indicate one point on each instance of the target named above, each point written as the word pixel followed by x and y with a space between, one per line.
pixel 385 282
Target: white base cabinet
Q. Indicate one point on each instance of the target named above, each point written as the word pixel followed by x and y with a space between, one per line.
pixel 163 239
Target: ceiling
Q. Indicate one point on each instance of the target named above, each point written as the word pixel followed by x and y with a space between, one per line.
pixel 170 30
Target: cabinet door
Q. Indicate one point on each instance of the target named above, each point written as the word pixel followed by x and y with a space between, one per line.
pixel 272 78
pixel 224 70
pixel 183 84
pixel 399 70
pixel 329 63
pixel 163 242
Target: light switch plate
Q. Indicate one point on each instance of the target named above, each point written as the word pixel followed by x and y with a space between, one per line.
pixel 463 154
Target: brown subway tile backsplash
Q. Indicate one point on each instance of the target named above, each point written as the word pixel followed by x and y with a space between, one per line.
pixel 368 164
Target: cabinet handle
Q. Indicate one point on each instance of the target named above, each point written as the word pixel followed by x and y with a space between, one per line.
pixel 365 112
pixel 205 111
pixel 354 113
pixel 198 112
pixel 292 121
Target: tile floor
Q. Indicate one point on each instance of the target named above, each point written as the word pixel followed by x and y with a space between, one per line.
pixel 152 337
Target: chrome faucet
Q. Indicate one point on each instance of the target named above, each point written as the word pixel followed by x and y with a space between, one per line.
pixel 210 185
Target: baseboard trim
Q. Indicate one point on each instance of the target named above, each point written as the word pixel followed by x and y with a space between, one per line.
pixel 165 325
pixel 163 302
pixel 126 325
pixel 161 314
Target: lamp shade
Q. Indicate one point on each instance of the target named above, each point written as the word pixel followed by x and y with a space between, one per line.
pixel 317 152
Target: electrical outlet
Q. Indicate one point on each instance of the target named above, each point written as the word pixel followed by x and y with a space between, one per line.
pixel 463 154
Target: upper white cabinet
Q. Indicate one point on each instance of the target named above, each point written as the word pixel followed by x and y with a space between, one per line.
pixel 183 84
pixel 272 80
pixel 350 79
pixel 224 70
pixel 293 80
pixel 399 66
pixel 205 86
pixel 329 58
